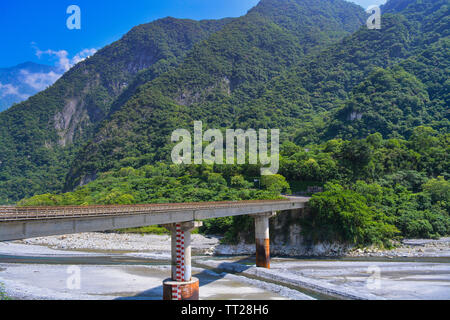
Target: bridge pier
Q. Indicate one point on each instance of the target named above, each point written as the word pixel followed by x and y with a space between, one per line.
pixel 262 239
pixel 181 286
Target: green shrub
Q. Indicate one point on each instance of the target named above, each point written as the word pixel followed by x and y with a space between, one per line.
pixel 343 215
pixel 275 183
pixel 217 226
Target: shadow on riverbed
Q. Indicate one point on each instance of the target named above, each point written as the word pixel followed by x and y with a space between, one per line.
pixel 205 277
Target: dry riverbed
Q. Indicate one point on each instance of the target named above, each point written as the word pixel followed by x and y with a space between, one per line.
pixel 156 244
pixel 118 266
pixel 202 245
pixel 408 249
pixel 31 272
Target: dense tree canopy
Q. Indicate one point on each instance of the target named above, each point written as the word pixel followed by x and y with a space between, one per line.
pixel 363 114
pixel 375 189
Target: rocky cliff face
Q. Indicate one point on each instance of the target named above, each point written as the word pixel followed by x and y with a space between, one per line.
pixel 286 240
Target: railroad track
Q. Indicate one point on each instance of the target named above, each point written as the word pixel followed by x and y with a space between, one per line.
pixel 12 213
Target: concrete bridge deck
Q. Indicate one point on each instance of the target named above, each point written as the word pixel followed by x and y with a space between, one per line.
pixel 18 223
pixel 188 211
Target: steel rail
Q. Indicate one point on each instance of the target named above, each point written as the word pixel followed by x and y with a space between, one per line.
pixel 11 213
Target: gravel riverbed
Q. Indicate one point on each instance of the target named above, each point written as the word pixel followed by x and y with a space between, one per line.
pixel 157 244
pixel 203 245
pixel 416 269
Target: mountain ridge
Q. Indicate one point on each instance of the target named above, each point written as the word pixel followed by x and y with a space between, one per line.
pixel 39 137
pixel 306 103
pixel 265 69
pixel 221 68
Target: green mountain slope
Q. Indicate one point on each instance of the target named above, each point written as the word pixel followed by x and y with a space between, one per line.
pixel 39 136
pixel 217 79
pixel 297 65
pixel 365 117
pixel 244 76
pixel 309 97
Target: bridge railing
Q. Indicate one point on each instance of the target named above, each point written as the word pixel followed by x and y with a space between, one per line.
pixel 10 213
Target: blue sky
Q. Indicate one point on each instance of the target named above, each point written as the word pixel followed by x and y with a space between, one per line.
pixel 30 27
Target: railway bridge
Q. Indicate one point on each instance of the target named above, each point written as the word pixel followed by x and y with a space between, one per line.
pixel 17 223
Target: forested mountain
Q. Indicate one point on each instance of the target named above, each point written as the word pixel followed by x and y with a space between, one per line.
pixel 219 77
pixel 39 136
pixel 309 67
pixel 319 96
pixel 363 113
pixel 388 81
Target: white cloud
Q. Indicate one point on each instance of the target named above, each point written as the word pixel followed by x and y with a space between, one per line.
pixel 80 56
pixel 10 90
pixel 39 81
pixel 62 56
pixel 64 63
